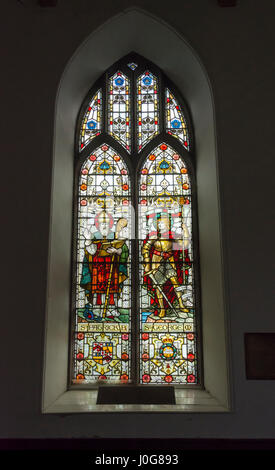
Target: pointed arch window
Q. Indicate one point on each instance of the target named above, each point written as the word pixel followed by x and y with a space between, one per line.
pixel 135 296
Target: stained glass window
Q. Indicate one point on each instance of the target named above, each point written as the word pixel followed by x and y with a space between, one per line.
pixel 91 122
pixel 135 309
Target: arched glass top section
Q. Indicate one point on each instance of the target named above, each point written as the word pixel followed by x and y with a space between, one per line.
pixel 92 122
pixel 164 178
pixel 134 104
pixel 103 174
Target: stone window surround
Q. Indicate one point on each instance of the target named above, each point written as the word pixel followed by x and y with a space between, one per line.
pixel 185 69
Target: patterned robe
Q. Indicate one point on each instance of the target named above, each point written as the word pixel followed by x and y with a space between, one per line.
pixel 97 268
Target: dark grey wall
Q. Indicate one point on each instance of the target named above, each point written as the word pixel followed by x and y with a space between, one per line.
pixel 236 46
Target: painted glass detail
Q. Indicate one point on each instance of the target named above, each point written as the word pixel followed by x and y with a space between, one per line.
pixel 92 121
pixel 168 353
pixel 119 109
pixel 175 121
pixel 147 108
pixel 103 289
pixel 132 65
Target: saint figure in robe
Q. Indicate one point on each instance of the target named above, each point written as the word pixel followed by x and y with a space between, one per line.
pixel 105 267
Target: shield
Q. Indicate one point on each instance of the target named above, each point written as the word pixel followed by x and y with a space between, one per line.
pixel 102 352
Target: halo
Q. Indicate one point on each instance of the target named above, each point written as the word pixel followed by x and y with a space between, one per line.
pixel 107 215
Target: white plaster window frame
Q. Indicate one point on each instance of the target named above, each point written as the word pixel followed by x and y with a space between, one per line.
pixel 185 69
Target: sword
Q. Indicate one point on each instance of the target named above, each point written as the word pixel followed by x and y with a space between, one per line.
pixel 150 273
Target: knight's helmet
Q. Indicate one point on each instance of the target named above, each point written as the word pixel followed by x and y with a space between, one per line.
pixel 164 217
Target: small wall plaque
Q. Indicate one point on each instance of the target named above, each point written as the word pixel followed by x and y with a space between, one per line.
pixel 260 356
pixel 47 3
pixel 227 3
pixel 135 394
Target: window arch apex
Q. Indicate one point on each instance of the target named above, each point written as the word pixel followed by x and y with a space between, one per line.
pixel 133 102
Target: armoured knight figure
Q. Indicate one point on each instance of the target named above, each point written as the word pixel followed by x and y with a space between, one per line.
pixel 162 266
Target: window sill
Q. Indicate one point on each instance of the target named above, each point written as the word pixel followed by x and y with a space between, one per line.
pixel 84 401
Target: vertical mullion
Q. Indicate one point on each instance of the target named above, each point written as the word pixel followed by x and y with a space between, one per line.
pixel 161 103
pixel 135 264
pixel 105 98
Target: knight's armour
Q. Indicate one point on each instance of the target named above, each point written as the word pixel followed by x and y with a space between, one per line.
pixel 158 254
pixel 162 250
